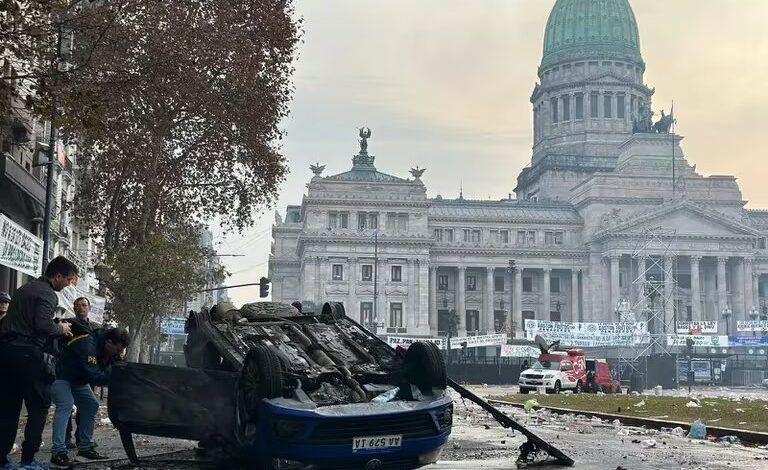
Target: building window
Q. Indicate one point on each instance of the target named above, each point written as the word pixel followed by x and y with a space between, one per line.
pixel 530 237
pixel 498 283
pixel 559 236
pixel 504 236
pixel 448 234
pixel 366 313
pixel 684 281
pixel 527 284
pixel 367 220
pixel 471 282
pixel 397 223
pixel 475 236
pixel 362 221
pixel 594 105
pixel 367 271
pixel 396 315
pixel 553 105
pixel 338 220
pixel 554 285
pixel 554 316
pixel 338 272
pixel 621 111
pixel 761 243
pixel 473 320
pixel 442 282
pixel 521 237
pixel 438 234
pixel 608 108
pixel 579 106
pixel 397 274
pixel 553 238
pixel 467 235
pixel 566 108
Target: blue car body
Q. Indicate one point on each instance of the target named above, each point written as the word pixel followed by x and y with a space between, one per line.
pixel 324 436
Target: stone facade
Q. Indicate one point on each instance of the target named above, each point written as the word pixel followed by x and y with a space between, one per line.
pixel 566 249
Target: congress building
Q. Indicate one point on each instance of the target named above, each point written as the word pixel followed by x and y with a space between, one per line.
pixel 606 175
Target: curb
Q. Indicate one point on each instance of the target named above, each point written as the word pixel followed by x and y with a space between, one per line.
pixel 750 437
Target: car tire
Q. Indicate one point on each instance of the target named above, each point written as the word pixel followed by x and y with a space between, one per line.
pixel 557 388
pixel 579 387
pixel 334 310
pixel 424 367
pixel 261 377
pixel 524 391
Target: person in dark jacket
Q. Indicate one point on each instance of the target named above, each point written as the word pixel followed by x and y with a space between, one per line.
pixel 26 368
pixel 85 361
pixel 5 302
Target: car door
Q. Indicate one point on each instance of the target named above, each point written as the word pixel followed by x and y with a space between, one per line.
pixel 176 402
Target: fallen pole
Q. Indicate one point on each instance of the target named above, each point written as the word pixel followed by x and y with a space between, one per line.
pixel 528 450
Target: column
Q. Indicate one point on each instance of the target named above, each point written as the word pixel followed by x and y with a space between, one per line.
pixel 410 312
pixel 546 294
pixel 422 301
pixel 737 290
pixel 749 298
pixel 756 289
pixel 433 300
pixel 669 306
pixel 722 294
pixel 575 315
pixel 352 308
pixel 696 288
pixel 518 300
pixel 321 272
pixel 461 304
pixel 710 305
pixel 640 280
pixel 382 313
pixel 615 286
pixel 307 279
pixel 489 309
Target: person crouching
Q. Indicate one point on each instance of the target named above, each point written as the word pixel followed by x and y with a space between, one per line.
pixel 85 360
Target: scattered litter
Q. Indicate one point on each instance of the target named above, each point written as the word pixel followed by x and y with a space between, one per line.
pixel 105 422
pixel 739 410
pixel 649 443
pixel 715 420
pixel 623 432
pixel 386 396
pixel 638 405
pixel 635 393
pixel 729 439
pixel 743 422
pixel 698 430
pixel 531 404
pixel 692 404
pixel 657 390
pixel 616 422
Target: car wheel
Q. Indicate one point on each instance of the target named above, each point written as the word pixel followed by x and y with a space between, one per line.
pixel 334 310
pixel 524 391
pixel 578 388
pixel 261 377
pixel 557 388
pixel 424 366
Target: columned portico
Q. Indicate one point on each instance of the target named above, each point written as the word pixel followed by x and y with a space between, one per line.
pixel 696 312
pixel 461 309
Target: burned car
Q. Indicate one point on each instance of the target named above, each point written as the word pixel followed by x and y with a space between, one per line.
pixel 278 387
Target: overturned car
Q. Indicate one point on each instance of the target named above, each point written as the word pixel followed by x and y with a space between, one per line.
pixel 275 387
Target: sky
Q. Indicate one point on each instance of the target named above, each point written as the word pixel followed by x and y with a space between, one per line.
pixel 445 85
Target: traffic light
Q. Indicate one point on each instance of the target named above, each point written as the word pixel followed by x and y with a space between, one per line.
pixel 264 287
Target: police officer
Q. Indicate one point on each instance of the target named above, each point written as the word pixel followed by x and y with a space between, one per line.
pixel 26 367
pixel 85 361
pixel 5 302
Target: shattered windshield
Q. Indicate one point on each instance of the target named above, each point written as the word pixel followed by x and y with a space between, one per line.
pixel 546 365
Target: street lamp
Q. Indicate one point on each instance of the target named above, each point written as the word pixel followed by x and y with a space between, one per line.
pixel 754 315
pixel 727 313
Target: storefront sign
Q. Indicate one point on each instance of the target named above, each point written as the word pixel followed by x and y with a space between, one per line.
pixel 696 327
pixel 19 249
pixel 589 334
pixel 517 350
pixel 698 340
pixel 752 325
pixel 172 326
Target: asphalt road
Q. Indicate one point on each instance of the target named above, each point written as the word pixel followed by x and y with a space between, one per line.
pixel 478 442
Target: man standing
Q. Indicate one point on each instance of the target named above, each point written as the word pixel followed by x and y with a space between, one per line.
pixel 27 369
pixel 81 324
pixel 5 302
pixel 86 360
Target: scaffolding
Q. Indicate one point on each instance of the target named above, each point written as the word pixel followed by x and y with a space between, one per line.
pixel 655 292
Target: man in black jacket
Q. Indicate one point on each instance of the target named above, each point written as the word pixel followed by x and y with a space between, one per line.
pixel 26 369
pixel 85 361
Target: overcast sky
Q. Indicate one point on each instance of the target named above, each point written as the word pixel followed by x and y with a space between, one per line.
pixel 445 84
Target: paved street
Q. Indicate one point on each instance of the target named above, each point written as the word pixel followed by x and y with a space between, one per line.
pixel 479 442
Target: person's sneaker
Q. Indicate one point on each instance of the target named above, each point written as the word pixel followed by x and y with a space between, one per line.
pixel 61 460
pixel 34 465
pixel 91 454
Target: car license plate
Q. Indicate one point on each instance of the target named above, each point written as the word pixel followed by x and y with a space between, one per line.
pixel 376 442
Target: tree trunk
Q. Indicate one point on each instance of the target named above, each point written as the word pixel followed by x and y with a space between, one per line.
pixel 134 349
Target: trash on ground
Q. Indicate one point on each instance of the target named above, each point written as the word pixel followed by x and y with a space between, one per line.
pixel 638 405
pixel 698 430
pixel 531 404
pixel 692 404
pixel 649 443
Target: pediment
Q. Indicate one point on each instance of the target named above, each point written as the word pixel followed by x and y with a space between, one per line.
pixel 684 219
pixel 609 77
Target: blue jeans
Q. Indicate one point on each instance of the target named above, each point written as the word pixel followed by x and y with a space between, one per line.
pixel 65 394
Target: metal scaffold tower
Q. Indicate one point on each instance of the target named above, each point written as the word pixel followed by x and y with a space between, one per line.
pixel 654 295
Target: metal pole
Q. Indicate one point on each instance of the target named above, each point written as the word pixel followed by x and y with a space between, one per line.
pixel 674 163
pixel 375 318
pixel 51 149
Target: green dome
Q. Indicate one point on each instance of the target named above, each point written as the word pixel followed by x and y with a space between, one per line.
pixel 591 29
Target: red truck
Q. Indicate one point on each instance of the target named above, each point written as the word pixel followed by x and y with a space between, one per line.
pixel 568 370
